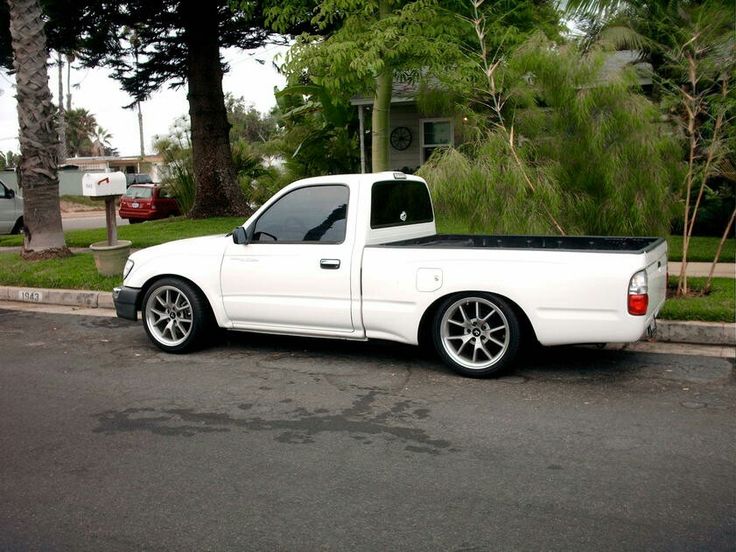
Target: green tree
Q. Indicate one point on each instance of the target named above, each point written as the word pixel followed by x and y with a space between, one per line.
pixel 9 160
pixel 80 127
pixel 372 42
pixel 320 132
pixel 178 42
pixel 100 139
pixel 247 123
pixel 43 235
pixel 564 145
pixel 692 48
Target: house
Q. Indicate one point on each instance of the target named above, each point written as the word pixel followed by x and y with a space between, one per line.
pixel 148 164
pixel 71 172
pixel 413 136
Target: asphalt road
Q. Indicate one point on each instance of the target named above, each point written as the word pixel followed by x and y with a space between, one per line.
pixel 268 443
pixel 78 221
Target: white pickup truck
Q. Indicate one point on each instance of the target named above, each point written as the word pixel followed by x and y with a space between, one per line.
pixel 358 257
pixel 11 211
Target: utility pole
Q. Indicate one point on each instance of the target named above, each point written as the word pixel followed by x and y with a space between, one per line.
pixel 69 59
pixel 62 115
pixel 140 129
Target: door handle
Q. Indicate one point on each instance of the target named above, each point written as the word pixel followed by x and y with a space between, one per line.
pixel 329 264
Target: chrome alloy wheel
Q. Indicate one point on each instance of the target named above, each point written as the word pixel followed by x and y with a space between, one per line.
pixel 475 333
pixel 169 315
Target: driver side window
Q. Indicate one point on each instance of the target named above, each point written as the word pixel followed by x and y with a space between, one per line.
pixel 314 214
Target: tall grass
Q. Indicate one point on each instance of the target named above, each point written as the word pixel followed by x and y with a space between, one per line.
pixel 593 146
pixel 484 186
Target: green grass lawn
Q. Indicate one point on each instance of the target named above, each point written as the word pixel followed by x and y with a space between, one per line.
pixel 75 272
pixel 718 306
pixel 702 249
pixel 147 233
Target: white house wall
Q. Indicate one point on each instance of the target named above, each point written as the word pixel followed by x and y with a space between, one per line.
pixel 405 116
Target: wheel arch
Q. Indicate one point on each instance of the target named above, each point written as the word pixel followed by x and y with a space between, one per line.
pixel 151 281
pixel 18 226
pixel 424 331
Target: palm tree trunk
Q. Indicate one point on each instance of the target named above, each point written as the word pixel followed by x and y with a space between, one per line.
pixel 217 192
pixel 38 139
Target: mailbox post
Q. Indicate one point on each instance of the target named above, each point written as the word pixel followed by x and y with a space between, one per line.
pixel 110 255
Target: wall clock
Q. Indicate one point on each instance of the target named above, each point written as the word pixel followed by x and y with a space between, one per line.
pixel 401 138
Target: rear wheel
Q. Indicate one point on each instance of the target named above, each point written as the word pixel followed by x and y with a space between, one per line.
pixel 176 315
pixel 135 221
pixel 18 228
pixel 476 334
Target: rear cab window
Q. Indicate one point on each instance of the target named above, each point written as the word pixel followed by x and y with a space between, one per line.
pixel 400 203
pixel 139 192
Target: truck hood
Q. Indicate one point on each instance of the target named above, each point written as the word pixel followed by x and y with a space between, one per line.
pixel 206 246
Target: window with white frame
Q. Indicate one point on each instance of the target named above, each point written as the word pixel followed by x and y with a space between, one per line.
pixel 435 133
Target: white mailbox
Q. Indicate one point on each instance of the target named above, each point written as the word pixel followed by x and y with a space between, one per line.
pixel 104 184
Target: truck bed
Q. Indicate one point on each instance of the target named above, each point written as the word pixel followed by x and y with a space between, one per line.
pixel 593 244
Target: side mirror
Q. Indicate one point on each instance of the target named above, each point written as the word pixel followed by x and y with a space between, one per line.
pixel 10 194
pixel 240 236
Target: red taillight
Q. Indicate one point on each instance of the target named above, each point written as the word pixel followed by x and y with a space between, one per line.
pixel 638 301
pixel 638 304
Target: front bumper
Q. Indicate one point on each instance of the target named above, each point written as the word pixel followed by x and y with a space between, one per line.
pixel 126 301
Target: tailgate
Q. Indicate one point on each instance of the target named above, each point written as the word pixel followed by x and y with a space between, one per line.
pixel 656 263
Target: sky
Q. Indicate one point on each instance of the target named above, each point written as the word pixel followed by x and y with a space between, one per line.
pixel 94 90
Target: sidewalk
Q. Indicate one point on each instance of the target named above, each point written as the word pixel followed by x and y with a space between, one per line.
pixel 723 270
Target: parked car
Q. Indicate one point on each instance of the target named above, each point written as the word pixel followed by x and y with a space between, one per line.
pixel 11 211
pixel 147 202
pixel 358 257
pixel 137 178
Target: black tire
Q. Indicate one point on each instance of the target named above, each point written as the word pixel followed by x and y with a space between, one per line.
pixel 18 228
pixel 476 334
pixel 135 221
pixel 176 307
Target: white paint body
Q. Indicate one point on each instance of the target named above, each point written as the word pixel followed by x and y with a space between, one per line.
pixel 383 292
pixel 11 209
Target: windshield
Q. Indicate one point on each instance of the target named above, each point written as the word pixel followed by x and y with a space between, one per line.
pixel 139 192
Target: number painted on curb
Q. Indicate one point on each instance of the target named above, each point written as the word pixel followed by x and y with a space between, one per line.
pixel 30 296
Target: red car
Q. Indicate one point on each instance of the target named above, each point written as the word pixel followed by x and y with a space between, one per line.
pixel 147 202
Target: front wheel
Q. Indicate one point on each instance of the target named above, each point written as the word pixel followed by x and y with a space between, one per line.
pixel 476 334
pixel 176 315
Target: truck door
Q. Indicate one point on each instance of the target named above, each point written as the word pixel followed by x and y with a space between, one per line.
pixel 294 274
pixel 8 214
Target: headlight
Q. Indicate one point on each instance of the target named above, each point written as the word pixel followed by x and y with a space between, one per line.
pixel 128 267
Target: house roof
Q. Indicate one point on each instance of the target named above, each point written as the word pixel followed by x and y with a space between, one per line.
pixel 614 63
pixel 401 92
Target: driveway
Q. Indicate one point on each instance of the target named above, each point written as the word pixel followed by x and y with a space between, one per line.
pixel 270 443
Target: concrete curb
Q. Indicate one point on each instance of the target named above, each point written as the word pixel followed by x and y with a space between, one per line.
pixel 701 333
pixel 67 297
pixel 668 331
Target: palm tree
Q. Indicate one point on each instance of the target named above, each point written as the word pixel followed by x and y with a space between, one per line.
pixel 38 139
pixel 80 125
pixel 100 139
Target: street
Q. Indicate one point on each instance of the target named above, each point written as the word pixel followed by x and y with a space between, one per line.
pixel 275 443
pixel 87 219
